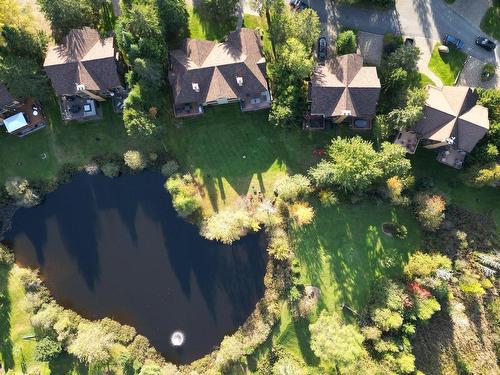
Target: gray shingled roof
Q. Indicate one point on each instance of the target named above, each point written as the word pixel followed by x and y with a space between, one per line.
pixel 82 58
pixel 5 96
pixel 214 67
pixel 344 84
pixel 452 113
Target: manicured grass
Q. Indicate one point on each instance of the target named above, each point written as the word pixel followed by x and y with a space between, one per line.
pixel 447 66
pixel 61 142
pixel 202 26
pixel 259 23
pixel 230 151
pixel 342 252
pixel 451 182
pixel 490 23
pixel 425 80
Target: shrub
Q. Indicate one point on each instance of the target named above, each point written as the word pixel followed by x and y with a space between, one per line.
pixel 110 169
pixel 291 188
pixel 92 344
pixel 139 349
pixel 186 198
pixel 488 176
pixel 387 319
pixel 423 265
pixel 19 189
pixel 46 317
pixel 124 334
pixel 66 173
pixel 328 198
pixel 301 213
pixel 471 285
pixel 169 168
pixel 6 256
pixel 400 231
pixel 66 326
pixel 227 225
pixel 430 210
pixel 346 42
pixel 426 307
pixel 47 350
pixel 134 160
pixel 371 333
pixel 279 245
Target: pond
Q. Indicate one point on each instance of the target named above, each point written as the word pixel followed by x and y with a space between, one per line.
pixel 116 248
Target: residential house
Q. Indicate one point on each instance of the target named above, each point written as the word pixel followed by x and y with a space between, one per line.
pixel 342 91
pixel 452 123
pixel 205 73
pixel 83 71
pixel 20 117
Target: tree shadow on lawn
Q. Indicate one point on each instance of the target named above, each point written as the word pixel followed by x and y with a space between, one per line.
pixel 66 364
pixel 6 346
pixel 234 149
pixel 344 250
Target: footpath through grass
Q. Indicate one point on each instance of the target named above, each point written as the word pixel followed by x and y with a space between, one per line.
pixel 490 23
pixel 40 155
pixel 447 66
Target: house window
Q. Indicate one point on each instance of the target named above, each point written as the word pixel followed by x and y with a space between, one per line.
pixel 239 80
pixel 196 87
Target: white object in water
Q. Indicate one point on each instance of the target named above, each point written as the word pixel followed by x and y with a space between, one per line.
pixel 177 338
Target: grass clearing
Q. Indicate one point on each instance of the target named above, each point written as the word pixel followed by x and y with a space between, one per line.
pixel 66 142
pixel 202 26
pixel 490 23
pixel 342 252
pixel 452 184
pixel 447 66
pixel 230 151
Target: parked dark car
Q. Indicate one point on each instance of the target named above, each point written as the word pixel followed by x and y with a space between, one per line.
pixel 450 39
pixel 299 4
pixel 485 43
pixel 322 47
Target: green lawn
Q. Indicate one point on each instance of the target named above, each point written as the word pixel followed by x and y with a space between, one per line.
pixel 490 23
pixel 452 183
pixel 230 151
pixel 61 142
pixel 202 26
pixel 342 252
pixel 447 65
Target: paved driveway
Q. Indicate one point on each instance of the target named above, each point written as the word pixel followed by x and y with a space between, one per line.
pixel 430 19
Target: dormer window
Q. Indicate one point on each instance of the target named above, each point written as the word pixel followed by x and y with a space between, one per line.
pixel 196 87
pixel 346 113
pixel 80 87
pixel 239 81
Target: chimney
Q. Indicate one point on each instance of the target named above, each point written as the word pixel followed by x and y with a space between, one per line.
pixel 239 80
pixel 196 87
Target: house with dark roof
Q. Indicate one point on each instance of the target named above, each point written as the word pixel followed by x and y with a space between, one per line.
pixel 452 123
pixel 205 73
pixel 7 101
pixel 19 117
pixel 83 70
pixel 343 91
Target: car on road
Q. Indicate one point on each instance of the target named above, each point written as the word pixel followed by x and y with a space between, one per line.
pixel 450 39
pixel 485 43
pixel 322 48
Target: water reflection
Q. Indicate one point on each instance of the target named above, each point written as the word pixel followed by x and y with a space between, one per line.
pixel 117 248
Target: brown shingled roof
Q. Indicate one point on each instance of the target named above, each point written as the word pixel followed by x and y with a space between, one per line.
pixel 5 96
pixel 214 68
pixel 82 58
pixel 452 113
pixel 344 84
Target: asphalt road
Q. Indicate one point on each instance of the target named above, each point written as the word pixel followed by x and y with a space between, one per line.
pixel 426 18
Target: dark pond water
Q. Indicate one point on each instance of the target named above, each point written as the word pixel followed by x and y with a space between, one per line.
pixel 116 247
